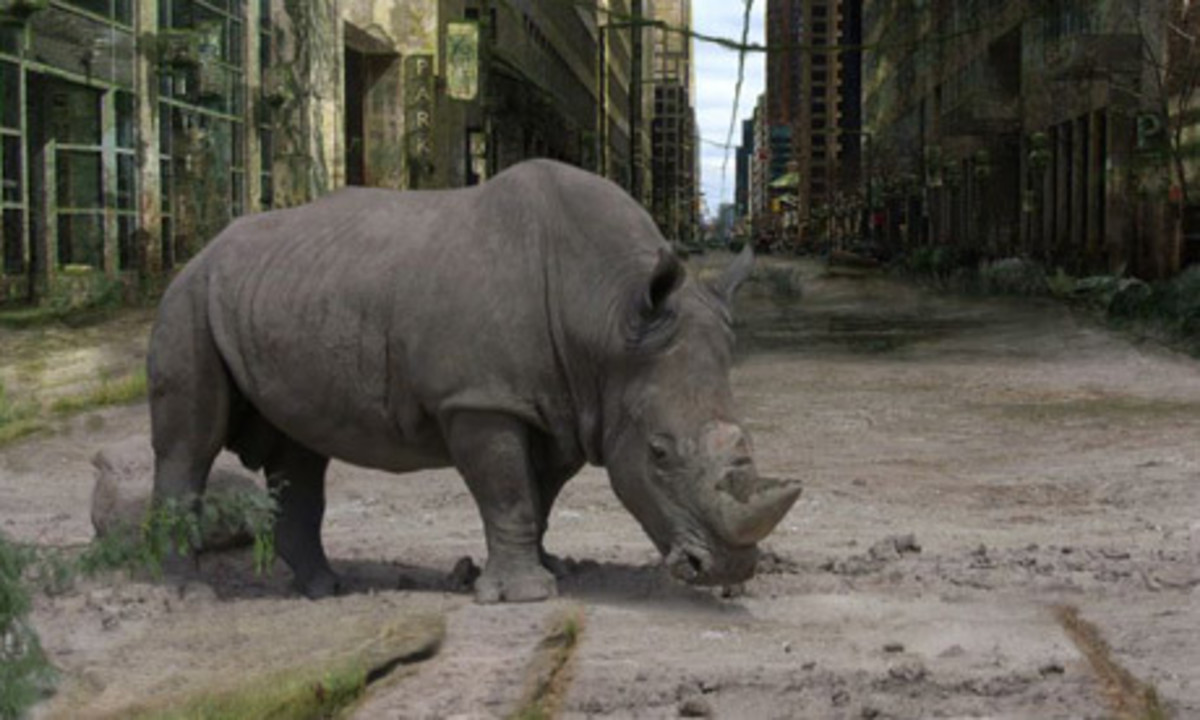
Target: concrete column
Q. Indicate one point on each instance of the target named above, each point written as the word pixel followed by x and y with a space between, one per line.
pixel 253 112
pixel 108 155
pixel 146 119
pixel 308 126
pixel 1120 228
pixel 1080 179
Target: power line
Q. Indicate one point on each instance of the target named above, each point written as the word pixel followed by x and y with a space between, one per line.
pixel 743 46
pixel 737 95
pixel 717 143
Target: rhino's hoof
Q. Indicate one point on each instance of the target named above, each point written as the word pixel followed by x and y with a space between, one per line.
pixel 321 585
pixel 526 586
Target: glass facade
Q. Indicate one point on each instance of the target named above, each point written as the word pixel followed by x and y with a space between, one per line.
pixel 72 123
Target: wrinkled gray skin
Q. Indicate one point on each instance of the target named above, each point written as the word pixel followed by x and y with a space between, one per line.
pixel 515 330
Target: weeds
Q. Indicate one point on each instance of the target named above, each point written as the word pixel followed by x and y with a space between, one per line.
pixel 180 527
pixel 25 673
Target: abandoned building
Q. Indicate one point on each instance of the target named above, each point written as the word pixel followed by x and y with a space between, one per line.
pixel 133 131
pixel 1062 131
pixel 814 105
pixel 675 176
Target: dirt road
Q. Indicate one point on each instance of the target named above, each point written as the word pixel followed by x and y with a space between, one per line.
pixel 1001 519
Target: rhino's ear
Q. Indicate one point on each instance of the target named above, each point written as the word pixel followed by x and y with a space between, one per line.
pixel 734 275
pixel 666 278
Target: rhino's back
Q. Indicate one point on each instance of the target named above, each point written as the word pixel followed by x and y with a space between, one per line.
pixel 353 322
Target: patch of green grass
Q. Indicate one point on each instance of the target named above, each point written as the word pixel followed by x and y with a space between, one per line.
pixel 25 418
pixel 123 391
pixel 28 317
pixel 17 419
pixel 298 695
pixel 84 297
pixel 15 430
pixel 329 688
pixel 549 671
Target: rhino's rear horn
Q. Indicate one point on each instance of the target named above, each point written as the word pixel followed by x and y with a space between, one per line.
pixel 734 275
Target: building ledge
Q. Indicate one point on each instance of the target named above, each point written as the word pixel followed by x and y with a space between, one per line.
pixel 982 116
pixel 1079 57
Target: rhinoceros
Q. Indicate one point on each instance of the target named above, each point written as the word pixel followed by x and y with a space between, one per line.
pixel 515 330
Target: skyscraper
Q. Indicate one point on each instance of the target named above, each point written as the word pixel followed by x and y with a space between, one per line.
pixel 814 83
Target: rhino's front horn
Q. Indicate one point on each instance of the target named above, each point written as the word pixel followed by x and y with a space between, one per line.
pixel 749 507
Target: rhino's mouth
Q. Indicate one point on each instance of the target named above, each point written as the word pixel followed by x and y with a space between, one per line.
pixel 696 564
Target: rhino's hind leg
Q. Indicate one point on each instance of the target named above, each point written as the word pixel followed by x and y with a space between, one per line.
pixel 190 396
pixel 297 476
pixel 491 450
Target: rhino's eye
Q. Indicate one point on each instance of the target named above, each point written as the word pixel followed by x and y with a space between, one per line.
pixel 662 449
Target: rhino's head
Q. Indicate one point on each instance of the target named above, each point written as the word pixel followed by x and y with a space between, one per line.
pixel 678 458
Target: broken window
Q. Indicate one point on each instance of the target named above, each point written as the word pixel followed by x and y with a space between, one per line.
pixel 202 148
pixel 70 118
pixel 119 10
pixel 10 39
pixel 12 224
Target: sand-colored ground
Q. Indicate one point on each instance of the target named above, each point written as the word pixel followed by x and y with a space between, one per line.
pixel 971 467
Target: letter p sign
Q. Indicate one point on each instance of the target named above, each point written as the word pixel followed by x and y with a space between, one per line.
pixel 1149 127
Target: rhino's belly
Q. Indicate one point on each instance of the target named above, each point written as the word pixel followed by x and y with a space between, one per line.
pixel 365 439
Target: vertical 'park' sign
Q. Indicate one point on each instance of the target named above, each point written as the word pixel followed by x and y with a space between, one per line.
pixel 418 116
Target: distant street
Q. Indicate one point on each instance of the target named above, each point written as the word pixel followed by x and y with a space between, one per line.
pixel 983 478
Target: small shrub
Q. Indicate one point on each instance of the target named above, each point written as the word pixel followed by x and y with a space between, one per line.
pixel 920 261
pixel 1182 299
pixel 1131 298
pixel 180 526
pixel 25 674
pixel 1061 285
pixel 784 281
pixel 940 263
pixel 1013 276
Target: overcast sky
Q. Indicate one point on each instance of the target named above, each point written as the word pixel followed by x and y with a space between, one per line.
pixel 716 77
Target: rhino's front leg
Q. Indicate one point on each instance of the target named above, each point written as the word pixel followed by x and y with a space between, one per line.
pixel 491 450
